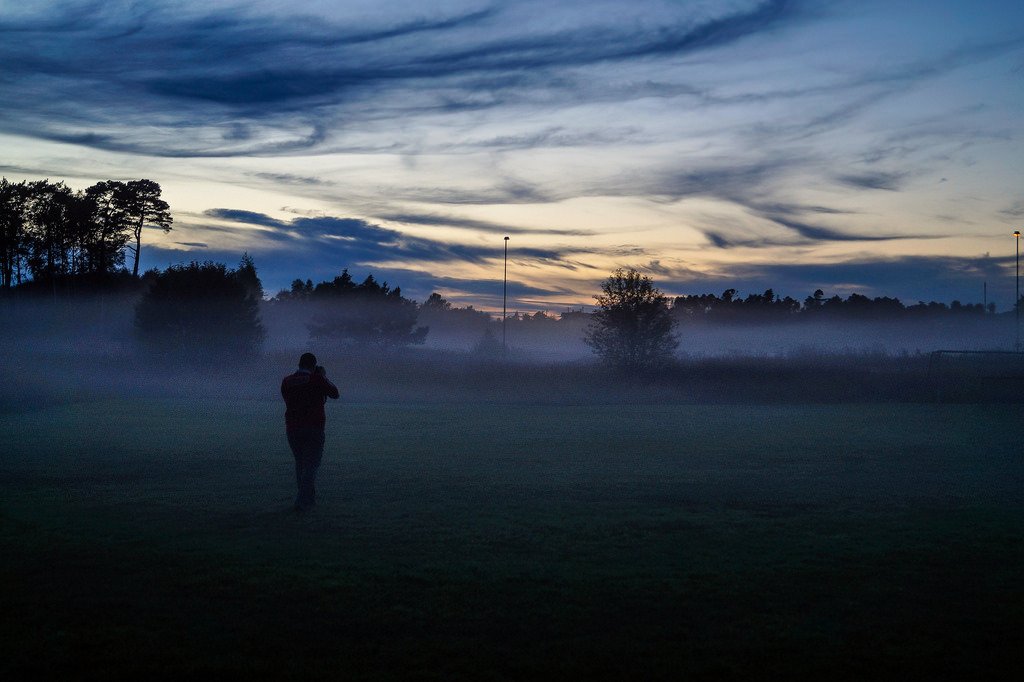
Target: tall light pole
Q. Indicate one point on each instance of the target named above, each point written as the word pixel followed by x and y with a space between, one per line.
pixel 504 299
pixel 1016 300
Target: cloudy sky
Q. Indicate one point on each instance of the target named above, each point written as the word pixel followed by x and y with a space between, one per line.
pixel 857 145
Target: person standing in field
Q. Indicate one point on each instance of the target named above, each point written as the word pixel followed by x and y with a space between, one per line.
pixel 305 393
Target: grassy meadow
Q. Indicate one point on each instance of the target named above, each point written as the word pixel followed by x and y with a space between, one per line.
pixel 155 537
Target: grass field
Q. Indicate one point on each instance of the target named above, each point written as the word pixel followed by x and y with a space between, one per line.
pixel 156 538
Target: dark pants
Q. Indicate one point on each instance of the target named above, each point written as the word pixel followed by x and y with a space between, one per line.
pixel 308 447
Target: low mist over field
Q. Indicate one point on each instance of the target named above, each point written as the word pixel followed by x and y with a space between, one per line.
pixel 107 326
pixel 89 346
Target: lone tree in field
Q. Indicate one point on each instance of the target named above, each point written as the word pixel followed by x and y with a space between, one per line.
pixel 633 328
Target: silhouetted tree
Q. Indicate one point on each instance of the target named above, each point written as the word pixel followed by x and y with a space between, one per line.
pixel 930 309
pixel 436 302
pixel 340 286
pixel 142 206
pixel 60 236
pixel 13 240
pixel 50 236
pixel 633 327
pixel 539 318
pixel 769 306
pixel 110 225
pixel 246 274
pixel 300 291
pixel 367 314
pixel 202 308
pixel 439 315
pixel 814 302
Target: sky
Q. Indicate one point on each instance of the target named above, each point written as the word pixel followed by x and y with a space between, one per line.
pixel 852 146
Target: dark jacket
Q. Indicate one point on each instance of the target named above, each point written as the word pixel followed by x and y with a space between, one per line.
pixel 304 396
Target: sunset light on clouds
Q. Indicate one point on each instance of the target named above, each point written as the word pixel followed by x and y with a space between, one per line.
pixel 850 146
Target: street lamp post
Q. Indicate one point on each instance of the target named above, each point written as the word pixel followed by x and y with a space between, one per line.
pixel 1016 300
pixel 504 299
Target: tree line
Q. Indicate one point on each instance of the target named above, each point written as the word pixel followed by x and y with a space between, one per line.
pixel 205 307
pixel 208 307
pixel 51 234
pixel 767 306
pixel 364 313
pixel 213 310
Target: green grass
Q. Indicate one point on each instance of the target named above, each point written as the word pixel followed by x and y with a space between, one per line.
pixel 494 542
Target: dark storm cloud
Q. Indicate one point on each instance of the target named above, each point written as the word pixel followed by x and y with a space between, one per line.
pixel 241 72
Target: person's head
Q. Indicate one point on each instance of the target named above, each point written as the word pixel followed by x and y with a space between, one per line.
pixel 307 361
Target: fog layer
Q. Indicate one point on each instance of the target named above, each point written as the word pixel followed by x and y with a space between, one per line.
pixel 86 349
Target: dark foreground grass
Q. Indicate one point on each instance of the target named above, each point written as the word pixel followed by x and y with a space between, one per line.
pixel 155 539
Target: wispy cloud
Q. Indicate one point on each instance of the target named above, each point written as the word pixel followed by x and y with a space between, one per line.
pixel 484 289
pixel 247 83
pixel 877 180
pixel 801 232
pixel 291 179
pixel 247 217
pixel 358 242
pixel 814 233
pixel 437 220
pixel 1015 211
